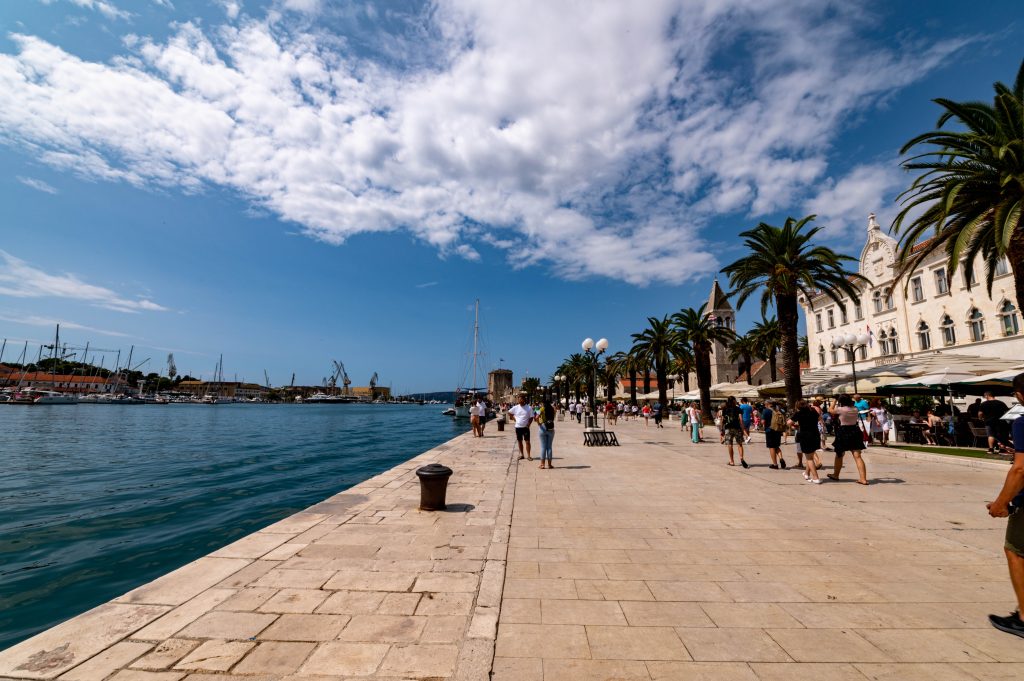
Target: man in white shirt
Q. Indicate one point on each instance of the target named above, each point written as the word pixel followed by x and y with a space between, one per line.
pixel 474 419
pixel 523 414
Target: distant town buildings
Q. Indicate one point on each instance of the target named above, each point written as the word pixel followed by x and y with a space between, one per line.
pixel 923 313
pixel 67 383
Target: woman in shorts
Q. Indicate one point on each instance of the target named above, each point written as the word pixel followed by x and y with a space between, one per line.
pixel 880 424
pixel 808 439
pixel 849 438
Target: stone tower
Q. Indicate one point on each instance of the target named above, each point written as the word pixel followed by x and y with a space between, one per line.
pixel 722 370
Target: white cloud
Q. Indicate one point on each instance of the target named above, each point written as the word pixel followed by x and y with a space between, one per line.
pixel 38 185
pixel 35 320
pixel 592 138
pixel 19 279
pixel 105 8
pixel 843 205
pixel 231 8
pixel 427 284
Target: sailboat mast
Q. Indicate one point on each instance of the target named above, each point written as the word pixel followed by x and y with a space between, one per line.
pixel 476 335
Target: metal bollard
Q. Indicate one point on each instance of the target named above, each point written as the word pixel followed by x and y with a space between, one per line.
pixel 433 486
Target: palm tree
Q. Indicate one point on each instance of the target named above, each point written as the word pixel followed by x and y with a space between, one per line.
pixel 782 265
pixel 743 348
pixel 683 364
pixel 972 188
pixel 657 344
pixel 700 331
pixel 804 349
pixel 632 366
pixel 767 340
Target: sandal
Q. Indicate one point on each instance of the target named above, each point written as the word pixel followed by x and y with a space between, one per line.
pixel 730 464
pixel 832 476
pixel 773 467
pixel 861 483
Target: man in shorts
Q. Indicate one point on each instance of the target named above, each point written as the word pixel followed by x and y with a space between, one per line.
pixel 747 411
pixel 523 415
pixel 1010 503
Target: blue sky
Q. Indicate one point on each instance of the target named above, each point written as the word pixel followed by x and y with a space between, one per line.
pixel 296 181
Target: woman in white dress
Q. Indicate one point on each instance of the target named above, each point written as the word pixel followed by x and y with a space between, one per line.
pixel 880 422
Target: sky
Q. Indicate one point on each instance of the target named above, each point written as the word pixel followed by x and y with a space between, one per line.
pixel 296 181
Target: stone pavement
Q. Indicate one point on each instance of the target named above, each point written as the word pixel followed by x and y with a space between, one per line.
pixel 360 584
pixel 655 560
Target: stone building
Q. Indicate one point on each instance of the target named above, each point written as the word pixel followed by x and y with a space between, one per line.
pixel 499 384
pixel 922 313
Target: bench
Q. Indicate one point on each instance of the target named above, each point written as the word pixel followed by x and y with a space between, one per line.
pixel 600 438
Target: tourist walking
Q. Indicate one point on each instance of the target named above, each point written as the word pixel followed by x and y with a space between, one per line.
pixel 774 424
pixel 808 438
pixel 732 423
pixel 481 410
pixel 474 419
pixel 693 415
pixel 880 422
pixel 659 412
pixel 579 412
pixel 747 412
pixel 849 438
pixel 523 415
pixel 546 431
pixel 1010 503
pixel 646 411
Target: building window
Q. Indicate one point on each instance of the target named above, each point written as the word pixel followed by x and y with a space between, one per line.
pixel 817 321
pixel 863 352
pixel 835 356
pixel 843 316
pixel 1002 267
pixel 1011 324
pixel 821 356
pixel 948 330
pixel 858 311
pixel 876 300
pixel 969 278
pixel 889 304
pixel 894 343
pixel 924 336
pixel 883 343
pixel 977 323
pixel 831 318
pixel 917 289
pixel 941 285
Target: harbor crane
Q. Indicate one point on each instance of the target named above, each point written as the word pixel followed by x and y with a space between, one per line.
pixel 373 386
pixel 266 377
pixel 339 370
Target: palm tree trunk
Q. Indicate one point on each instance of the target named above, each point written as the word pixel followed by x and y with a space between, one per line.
pixel 750 362
pixel 647 379
pixel 773 365
pixel 686 381
pixel 1015 254
pixel 632 385
pixel 789 320
pixel 661 371
pixel 703 357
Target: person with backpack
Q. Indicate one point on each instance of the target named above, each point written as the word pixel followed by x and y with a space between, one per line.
pixel 732 425
pixel 774 425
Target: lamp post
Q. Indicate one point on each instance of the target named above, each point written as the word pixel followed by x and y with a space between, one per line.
pixel 851 343
pixel 589 347
pixel 558 388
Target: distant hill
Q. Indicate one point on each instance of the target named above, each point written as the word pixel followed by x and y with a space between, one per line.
pixel 445 396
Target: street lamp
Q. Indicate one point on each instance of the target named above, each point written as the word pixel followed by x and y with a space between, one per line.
pixel 851 343
pixel 589 346
pixel 559 378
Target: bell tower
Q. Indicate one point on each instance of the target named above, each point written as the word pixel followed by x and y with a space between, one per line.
pixel 722 370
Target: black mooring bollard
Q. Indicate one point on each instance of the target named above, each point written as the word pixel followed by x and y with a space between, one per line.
pixel 433 486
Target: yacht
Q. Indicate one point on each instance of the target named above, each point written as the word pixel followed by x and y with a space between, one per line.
pixel 33 396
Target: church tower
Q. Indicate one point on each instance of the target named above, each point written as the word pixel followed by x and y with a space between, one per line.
pixel 722 370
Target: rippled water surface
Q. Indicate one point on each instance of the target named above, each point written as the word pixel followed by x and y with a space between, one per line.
pixel 98 499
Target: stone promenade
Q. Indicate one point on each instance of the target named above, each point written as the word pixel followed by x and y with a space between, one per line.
pixel 653 560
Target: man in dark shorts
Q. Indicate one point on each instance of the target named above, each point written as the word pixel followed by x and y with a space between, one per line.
pixel 523 415
pixel 1010 502
pixel 808 439
pixel 992 411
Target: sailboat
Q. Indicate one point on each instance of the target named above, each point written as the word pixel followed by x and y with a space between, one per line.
pixel 464 397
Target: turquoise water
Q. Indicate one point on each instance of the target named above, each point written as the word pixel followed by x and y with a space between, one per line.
pixel 98 499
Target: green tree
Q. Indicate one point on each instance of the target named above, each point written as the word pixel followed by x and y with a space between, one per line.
pixel 658 345
pixel 971 188
pixel 767 341
pixel 781 266
pixel 804 349
pixel 742 350
pixel 683 364
pixel 700 331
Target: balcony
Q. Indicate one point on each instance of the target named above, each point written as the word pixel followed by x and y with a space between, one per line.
pixel 889 359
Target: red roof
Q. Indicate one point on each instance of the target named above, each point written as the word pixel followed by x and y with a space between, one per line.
pixel 42 376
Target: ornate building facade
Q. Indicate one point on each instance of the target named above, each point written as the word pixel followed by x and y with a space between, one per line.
pixel 924 312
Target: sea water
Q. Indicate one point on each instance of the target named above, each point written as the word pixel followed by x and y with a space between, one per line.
pixel 96 500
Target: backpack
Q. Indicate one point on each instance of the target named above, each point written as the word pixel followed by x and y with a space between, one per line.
pixel 731 419
pixel 778 423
